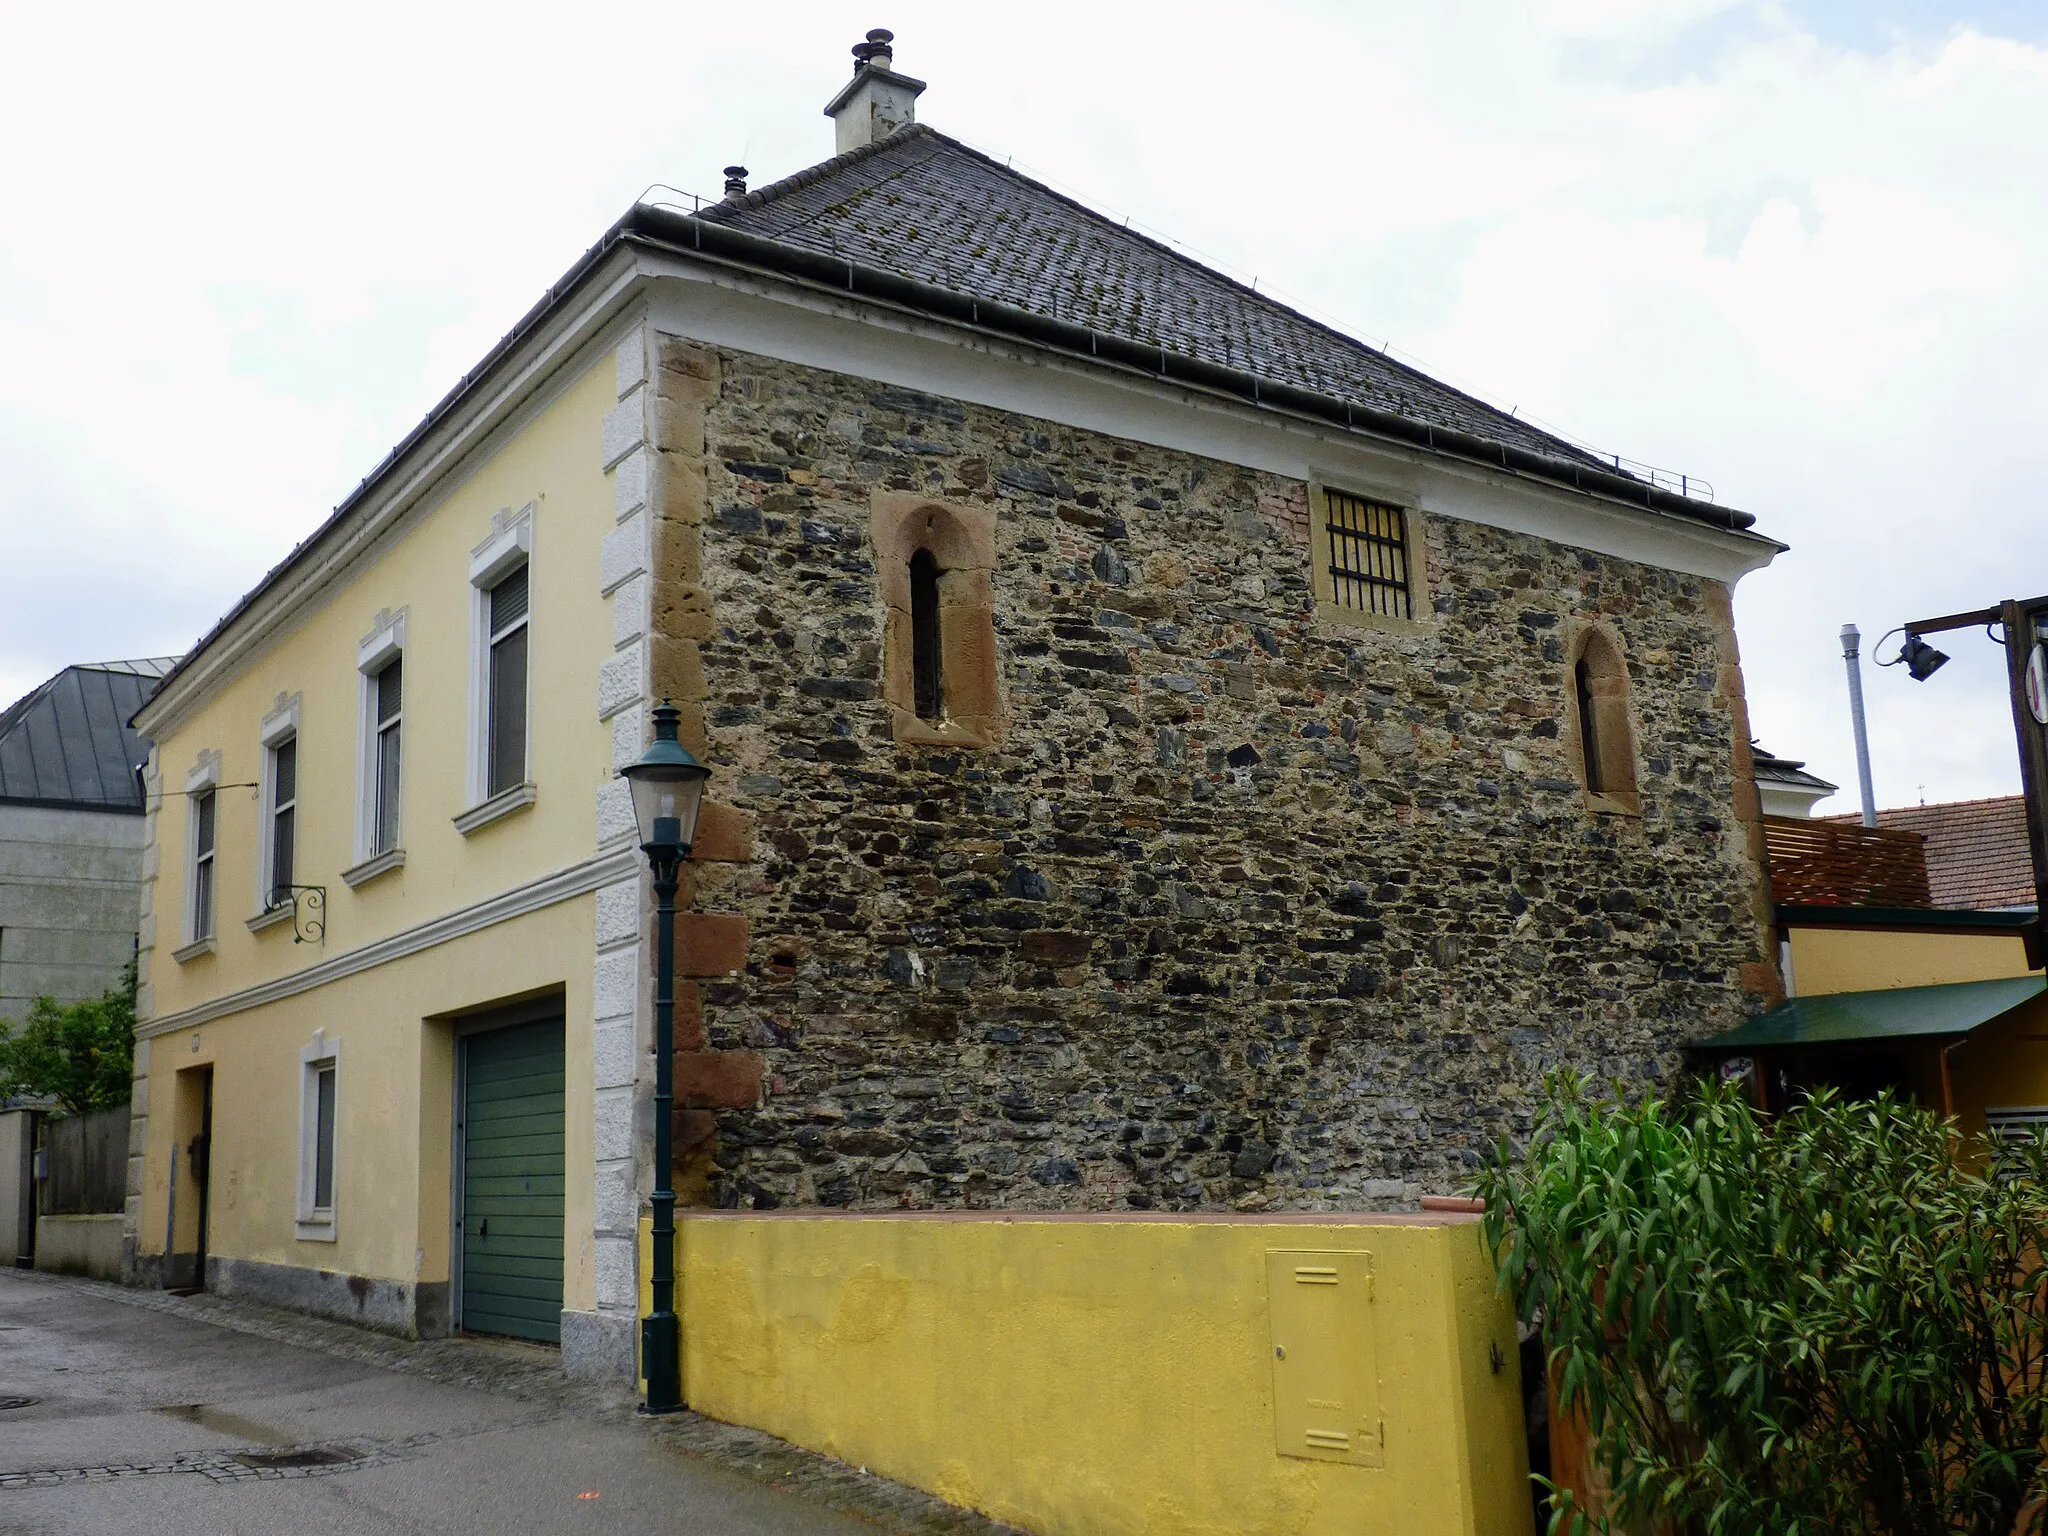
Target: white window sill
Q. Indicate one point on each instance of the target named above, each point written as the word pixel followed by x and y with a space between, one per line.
pixel 370 869
pixel 500 805
pixel 194 950
pixel 270 917
pixel 316 1230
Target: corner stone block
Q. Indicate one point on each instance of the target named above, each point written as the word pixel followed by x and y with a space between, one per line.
pixel 625 428
pixel 619 681
pixel 679 415
pixel 684 492
pixel 631 361
pixel 711 943
pixel 618 912
pixel 676 670
pixel 725 835
pixel 623 554
pixel 629 735
pixel 612 1125
pixel 685 360
pixel 615 1205
pixel 616 1055
pixel 629 485
pixel 718 1079
pixel 615 989
pixel 685 612
pixel 615 814
pixel 618 1281
pixel 630 609
pixel 689 1020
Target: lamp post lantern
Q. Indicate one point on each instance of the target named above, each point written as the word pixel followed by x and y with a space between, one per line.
pixel 668 791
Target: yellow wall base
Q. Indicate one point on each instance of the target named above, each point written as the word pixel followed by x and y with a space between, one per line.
pixel 1118 1374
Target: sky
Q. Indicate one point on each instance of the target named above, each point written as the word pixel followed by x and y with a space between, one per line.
pixel 1798 250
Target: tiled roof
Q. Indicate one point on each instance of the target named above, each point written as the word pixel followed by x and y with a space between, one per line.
pixel 1977 856
pixel 68 742
pixel 926 207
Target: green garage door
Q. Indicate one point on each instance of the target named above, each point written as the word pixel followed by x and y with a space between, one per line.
pixel 512 1182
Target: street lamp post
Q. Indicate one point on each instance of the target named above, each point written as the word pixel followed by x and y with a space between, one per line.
pixel 668 791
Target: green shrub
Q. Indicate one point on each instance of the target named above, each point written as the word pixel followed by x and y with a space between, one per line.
pixel 1828 1321
pixel 80 1054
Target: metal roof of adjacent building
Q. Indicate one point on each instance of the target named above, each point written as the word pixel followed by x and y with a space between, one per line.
pixel 1898 1013
pixel 68 742
pixel 1977 854
pixel 927 207
pixel 1788 771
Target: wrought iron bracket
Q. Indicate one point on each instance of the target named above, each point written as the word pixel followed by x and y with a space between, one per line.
pixel 309 911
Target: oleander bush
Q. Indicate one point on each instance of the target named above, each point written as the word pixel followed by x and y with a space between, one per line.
pixel 1831 1320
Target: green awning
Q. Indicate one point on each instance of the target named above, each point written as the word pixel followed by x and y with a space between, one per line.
pixel 1900 1013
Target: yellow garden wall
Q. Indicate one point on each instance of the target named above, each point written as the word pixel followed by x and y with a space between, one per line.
pixel 1105 1374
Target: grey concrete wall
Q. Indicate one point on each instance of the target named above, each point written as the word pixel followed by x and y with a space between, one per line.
pixel 70 902
pixel 80 1245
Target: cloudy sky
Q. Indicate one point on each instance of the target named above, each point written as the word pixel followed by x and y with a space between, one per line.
pixel 1797 249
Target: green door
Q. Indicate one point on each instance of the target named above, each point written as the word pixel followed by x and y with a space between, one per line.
pixel 512 1181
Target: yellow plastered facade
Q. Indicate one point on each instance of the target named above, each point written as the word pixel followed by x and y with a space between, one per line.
pixel 396 1050
pixel 394 1028
pixel 552 464
pixel 1862 959
pixel 1080 1377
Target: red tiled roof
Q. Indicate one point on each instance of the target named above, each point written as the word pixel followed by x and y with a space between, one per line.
pixel 1976 850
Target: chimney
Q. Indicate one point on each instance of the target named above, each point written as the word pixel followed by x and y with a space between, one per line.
pixel 735 183
pixel 876 101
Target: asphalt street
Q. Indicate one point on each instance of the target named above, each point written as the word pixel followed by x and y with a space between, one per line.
pixel 116 1417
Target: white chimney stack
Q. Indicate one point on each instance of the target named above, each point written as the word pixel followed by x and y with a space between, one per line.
pixel 876 101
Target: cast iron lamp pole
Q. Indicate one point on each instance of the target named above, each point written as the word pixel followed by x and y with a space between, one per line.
pixel 668 791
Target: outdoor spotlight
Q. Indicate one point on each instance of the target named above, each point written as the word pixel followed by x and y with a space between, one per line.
pixel 1922 660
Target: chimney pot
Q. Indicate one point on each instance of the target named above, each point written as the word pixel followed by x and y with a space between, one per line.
pixel 735 183
pixel 876 101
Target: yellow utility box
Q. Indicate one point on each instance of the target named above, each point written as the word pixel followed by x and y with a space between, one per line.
pixel 1326 1383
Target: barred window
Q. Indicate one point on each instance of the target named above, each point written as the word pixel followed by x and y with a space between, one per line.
pixel 1369 557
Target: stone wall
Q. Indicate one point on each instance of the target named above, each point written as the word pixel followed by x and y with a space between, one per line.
pixel 1245 909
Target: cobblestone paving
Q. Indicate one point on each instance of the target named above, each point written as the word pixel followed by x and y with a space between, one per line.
pixel 526 1374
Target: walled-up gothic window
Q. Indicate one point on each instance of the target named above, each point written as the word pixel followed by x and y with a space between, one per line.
pixel 1604 739
pixel 935 561
pixel 927 660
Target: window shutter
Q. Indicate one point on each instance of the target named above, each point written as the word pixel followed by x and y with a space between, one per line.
pixel 508 600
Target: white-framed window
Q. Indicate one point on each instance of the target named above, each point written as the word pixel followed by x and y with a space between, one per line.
pixel 501 653
pixel 277 854
pixel 505 733
pixel 202 834
pixel 380 660
pixel 388 700
pixel 319 1139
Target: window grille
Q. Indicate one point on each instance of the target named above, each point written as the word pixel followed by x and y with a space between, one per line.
pixel 1368 555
